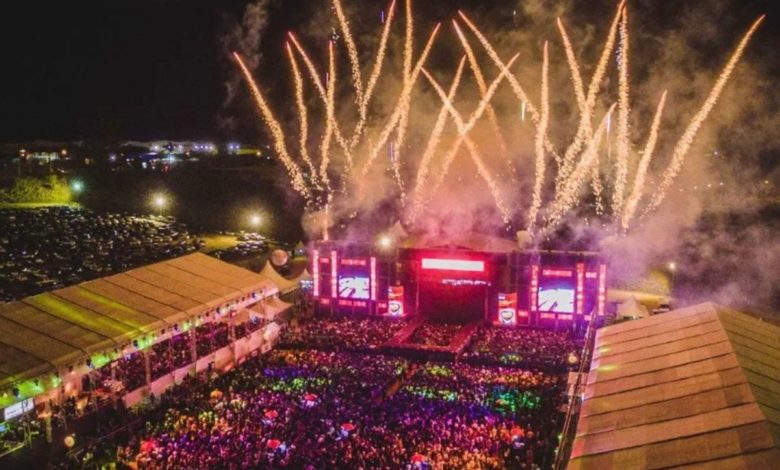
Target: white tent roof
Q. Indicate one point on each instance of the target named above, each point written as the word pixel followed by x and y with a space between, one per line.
pixel 285 285
pixel 631 308
pixel 49 331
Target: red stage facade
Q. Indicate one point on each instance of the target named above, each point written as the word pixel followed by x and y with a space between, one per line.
pixel 554 289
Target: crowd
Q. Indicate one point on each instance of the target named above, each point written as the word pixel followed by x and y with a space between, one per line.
pixel 324 404
pixel 129 372
pixel 480 417
pixel 341 334
pixel 518 346
pixel 435 334
pixel 320 410
pixel 50 247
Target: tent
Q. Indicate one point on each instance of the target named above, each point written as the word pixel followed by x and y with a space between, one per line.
pixel 285 285
pixel 47 333
pixel 697 387
pixel 631 308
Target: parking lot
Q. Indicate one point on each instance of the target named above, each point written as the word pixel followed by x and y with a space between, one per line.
pixel 50 247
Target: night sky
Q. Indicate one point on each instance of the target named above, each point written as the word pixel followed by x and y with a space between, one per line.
pixel 146 69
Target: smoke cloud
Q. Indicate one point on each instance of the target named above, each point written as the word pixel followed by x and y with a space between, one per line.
pixel 245 36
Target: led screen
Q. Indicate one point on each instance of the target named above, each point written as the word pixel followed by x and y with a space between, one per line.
pixel 556 296
pixel 354 287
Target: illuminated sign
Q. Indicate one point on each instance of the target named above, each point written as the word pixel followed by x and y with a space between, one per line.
pixel 507 316
pixel 315 267
pixel 373 278
pixel 453 264
pixel 18 409
pixel 353 262
pixel 464 282
pixel 556 297
pixel 395 304
pixel 580 288
pixel 352 303
pixel 507 308
pixel 333 274
pixel 556 272
pixel 534 287
pixel 395 308
pixel 353 287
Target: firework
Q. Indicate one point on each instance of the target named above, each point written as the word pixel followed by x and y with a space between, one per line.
pixel 475 116
pixel 403 120
pixel 463 131
pixel 566 197
pixel 329 119
pixel 515 85
pixel 323 94
pixel 581 162
pixel 280 146
pixel 357 80
pixel 684 144
pixel 399 109
pixel 303 120
pixel 621 167
pixel 480 78
pixel 584 127
pixel 374 77
pixel 433 143
pixel 574 68
pixel 541 129
pixel 644 163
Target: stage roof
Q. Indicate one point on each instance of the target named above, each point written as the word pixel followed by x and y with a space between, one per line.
pixel 45 332
pixel 696 387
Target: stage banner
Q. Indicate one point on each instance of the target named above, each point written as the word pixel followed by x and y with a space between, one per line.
pixel 507 309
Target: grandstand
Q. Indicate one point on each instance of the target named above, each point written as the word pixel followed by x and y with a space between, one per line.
pixel 51 342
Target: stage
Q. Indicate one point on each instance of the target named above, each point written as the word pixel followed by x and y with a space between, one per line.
pixel 459 285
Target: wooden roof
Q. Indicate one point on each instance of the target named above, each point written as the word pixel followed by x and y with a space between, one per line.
pixel 697 387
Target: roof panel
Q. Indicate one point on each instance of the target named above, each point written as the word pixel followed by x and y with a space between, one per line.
pixel 698 386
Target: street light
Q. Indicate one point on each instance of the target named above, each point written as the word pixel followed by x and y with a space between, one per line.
pixel 385 242
pixel 255 220
pixel 159 201
pixel 77 186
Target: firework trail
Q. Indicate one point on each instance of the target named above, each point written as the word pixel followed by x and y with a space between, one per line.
pixel 584 128
pixel 399 109
pixel 357 80
pixel 515 85
pixel 330 118
pixel 621 169
pixel 315 78
pixel 684 144
pixel 463 131
pixel 433 143
pixel 374 77
pixel 406 103
pixel 567 195
pixel 644 163
pixel 541 129
pixel 598 188
pixel 475 116
pixel 408 41
pixel 303 119
pixel 276 132
pixel 480 78
pixel 574 68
